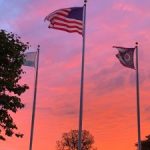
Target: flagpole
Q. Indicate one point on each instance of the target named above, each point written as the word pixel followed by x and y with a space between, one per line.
pixel 34 100
pixel 82 79
pixel 138 99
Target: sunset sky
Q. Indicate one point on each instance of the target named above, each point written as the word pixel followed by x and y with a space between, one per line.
pixel 109 88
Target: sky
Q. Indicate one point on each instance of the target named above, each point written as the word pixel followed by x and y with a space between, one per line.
pixel 109 110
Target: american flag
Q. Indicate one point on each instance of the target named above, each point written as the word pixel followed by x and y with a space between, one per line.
pixel 67 19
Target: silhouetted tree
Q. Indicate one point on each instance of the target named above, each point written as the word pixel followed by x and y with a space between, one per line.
pixel 69 141
pixel 11 60
pixel 145 144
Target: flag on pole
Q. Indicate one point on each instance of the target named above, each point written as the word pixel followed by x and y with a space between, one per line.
pixel 30 59
pixel 67 19
pixel 126 56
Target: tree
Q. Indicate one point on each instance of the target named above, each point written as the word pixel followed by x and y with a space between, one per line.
pixel 69 141
pixel 11 59
pixel 145 144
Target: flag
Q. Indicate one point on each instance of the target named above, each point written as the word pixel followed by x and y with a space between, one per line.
pixel 67 19
pixel 126 56
pixel 29 59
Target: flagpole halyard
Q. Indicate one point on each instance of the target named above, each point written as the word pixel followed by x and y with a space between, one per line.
pixel 124 61
pixel 34 100
pixel 138 99
pixel 82 81
pixel 78 15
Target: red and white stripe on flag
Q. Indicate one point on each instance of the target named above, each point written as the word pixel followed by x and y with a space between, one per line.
pixel 68 19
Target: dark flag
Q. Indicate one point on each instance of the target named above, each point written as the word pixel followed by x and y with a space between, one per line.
pixel 67 19
pixel 126 56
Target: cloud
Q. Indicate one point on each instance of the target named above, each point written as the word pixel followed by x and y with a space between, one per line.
pixel 125 7
pixel 109 87
pixel 64 110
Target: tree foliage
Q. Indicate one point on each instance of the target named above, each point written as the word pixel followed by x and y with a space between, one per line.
pixel 11 59
pixel 145 144
pixel 69 141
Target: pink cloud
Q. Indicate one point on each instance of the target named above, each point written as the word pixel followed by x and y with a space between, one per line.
pixel 109 94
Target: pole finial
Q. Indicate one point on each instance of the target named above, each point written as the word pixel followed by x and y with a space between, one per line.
pixel 136 43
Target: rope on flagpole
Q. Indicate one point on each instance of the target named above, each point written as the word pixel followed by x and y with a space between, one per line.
pixel 82 81
pixel 34 99
pixel 138 99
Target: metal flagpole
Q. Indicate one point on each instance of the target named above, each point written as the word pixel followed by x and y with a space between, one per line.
pixel 34 100
pixel 138 99
pixel 82 79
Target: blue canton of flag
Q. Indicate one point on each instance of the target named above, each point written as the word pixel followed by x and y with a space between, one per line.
pixel 67 19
